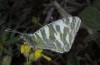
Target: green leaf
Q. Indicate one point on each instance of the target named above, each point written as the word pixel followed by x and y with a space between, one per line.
pixel 12 40
pixel 6 60
pixel 96 4
pixel 90 16
pixel 8 51
pixel 31 56
pixel 4 36
pixel 92 37
pixel 72 59
pixel 35 20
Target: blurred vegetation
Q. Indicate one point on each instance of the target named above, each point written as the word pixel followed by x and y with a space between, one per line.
pixel 27 16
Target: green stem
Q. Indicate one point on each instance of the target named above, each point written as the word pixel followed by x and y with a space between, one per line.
pixel 27 62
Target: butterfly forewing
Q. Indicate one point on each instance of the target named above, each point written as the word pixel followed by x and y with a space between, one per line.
pixel 57 36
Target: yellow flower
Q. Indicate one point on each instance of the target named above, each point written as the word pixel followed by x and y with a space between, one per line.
pixel 37 55
pixel 25 48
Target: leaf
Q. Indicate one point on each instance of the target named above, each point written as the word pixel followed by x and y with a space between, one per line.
pixel 96 4
pixel 4 36
pixel 1 46
pixel 92 37
pixel 8 51
pixel 6 60
pixel 12 40
pixel 72 59
pixel 91 18
pixel 34 20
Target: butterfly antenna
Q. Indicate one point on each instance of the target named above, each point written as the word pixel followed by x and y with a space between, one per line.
pixel 14 31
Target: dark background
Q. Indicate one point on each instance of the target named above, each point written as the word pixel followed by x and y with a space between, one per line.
pixel 27 16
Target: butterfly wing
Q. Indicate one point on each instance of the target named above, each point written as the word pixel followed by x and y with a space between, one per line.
pixel 57 36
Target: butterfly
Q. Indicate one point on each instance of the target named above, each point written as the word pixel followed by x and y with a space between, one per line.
pixel 57 36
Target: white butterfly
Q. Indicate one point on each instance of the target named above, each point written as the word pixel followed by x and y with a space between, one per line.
pixel 57 36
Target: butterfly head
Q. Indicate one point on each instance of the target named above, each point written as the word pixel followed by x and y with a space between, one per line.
pixel 22 36
pixel 27 38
